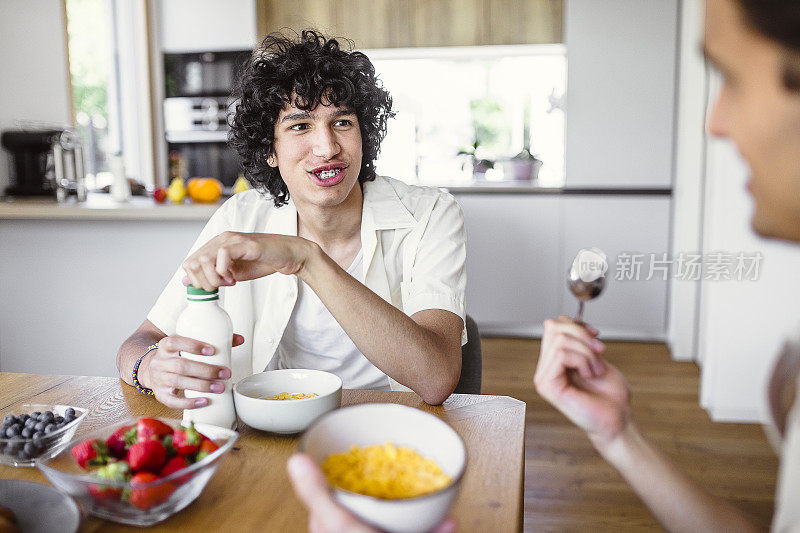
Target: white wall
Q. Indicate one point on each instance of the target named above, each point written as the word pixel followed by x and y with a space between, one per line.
pixel 689 183
pixel 207 25
pixel 620 92
pixel 34 84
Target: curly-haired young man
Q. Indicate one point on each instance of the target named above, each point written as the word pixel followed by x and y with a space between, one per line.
pixel 346 271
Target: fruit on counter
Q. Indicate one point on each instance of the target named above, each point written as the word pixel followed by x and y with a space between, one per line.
pixel 148 455
pixel 145 498
pixel 113 471
pixel 28 434
pixel 207 447
pixel 186 441
pixel 150 428
pixel 90 453
pixel 160 195
pixel 204 190
pixel 240 185
pixel 176 191
pixel 119 442
pixel 176 464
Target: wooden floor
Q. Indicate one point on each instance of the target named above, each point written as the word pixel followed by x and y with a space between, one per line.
pixel 732 460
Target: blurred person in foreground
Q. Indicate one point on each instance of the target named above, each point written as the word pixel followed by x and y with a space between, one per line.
pixel 755 44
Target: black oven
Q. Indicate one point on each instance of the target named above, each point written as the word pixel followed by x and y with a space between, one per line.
pixel 198 88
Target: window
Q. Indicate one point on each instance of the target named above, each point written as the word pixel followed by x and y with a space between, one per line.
pixel 467 114
pixel 110 71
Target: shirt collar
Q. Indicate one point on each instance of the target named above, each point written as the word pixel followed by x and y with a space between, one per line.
pixel 383 208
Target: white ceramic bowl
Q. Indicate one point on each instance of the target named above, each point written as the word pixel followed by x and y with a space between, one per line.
pixel 286 416
pixel 378 423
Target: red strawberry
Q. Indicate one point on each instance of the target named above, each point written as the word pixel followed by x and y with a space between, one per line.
pixel 117 442
pixel 207 447
pixel 114 471
pixel 186 440
pixel 90 453
pixel 173 465
pixel 149 455
pixel 150 428
pixel 145 498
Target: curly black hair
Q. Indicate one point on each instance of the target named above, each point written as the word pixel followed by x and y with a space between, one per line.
pixel 306 68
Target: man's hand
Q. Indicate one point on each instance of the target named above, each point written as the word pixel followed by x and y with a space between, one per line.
pixel 325 515
pixel 232 256
pixel 168 374
pixel 573 376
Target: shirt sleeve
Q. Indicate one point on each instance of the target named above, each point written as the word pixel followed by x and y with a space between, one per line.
pixel 438 277
pixel 172 301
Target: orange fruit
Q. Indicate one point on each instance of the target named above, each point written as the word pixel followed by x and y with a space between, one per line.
pixel 204 190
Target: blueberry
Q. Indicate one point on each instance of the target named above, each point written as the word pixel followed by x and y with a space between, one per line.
pixel 59 419
pixel 11 432
pixel 29 423
pixel 70 412
pixel 23 418
pixel 12 447
pixel 23 455
pixel 49 428
pixel 26 433
pixel 35 414
pixel 37 435
pixel 9 419
pixel 69 418
pixel 48 415
pixel 40 426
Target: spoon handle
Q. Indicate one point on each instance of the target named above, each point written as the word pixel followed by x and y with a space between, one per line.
pixel 579 318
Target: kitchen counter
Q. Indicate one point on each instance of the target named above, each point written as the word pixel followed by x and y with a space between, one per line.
pixel 100 206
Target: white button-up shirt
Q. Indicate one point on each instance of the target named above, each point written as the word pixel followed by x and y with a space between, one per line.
pixel 414 251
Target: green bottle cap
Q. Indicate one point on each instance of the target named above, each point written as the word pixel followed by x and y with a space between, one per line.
pixel 199 295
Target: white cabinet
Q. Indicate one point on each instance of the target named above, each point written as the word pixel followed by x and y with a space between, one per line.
pixel 512 260
pixel 621 92
pixel 207 25
pixel 519 247
pixel 73 290
pixel 638 227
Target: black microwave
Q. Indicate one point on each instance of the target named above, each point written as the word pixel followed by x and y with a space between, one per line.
pixel 202 74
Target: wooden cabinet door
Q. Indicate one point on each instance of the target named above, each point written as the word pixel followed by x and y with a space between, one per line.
pixel 419 23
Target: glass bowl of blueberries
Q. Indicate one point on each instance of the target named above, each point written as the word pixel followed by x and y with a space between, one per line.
pixel 37 431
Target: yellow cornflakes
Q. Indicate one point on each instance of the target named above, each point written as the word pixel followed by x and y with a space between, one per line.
pixel 287 396
pixel 385 471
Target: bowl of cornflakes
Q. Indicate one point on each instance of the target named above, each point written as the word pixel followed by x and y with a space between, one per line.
pixel 395 467
pixel 286 401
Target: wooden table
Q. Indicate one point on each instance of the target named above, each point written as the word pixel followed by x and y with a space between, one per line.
pixel 251 492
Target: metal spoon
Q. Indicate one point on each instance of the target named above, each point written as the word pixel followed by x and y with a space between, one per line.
pixel 587 276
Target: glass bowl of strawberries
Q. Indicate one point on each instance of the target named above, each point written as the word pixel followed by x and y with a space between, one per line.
pixel 139 472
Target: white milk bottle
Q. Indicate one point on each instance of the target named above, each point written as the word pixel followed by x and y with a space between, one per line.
pixel 204 320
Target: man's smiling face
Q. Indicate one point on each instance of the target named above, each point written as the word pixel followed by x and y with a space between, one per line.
pixel 759 114
pixel 318 153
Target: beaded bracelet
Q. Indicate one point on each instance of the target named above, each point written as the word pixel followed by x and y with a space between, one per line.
pixel 139 386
